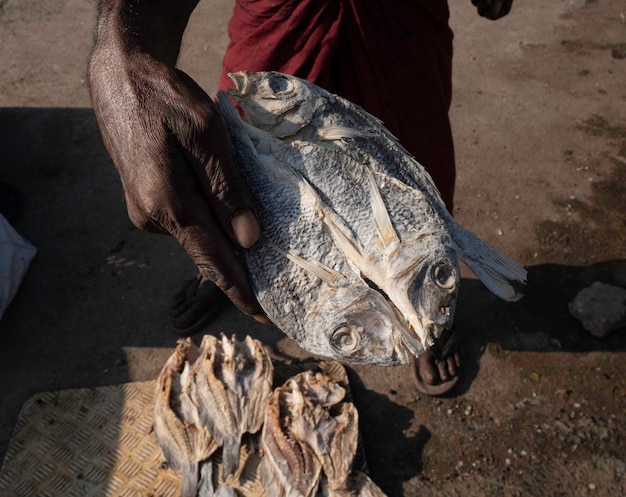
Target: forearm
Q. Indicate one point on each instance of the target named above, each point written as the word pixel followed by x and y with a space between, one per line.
pixel 152 27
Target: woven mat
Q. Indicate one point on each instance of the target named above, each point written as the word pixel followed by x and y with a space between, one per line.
pixel 87 442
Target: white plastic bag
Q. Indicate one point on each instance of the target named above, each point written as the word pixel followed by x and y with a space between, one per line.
pixel 15 256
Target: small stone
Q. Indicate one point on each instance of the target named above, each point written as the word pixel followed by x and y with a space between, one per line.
pixel 592 486
pixel 600 308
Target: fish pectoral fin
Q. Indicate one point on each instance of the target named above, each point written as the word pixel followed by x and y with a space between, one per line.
pixel 317 268
pixel 346 241
pixel 332 133
pixel 493 268
pixel 384 226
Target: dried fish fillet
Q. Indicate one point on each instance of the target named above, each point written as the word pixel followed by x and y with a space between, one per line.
pixel 310 439
pixel 289 467
pixel 233 382
pixel 184 440
pixel 299 441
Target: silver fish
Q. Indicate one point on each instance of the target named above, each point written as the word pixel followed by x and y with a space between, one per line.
pixel 294 109
pixel 301 278
pixel 387 230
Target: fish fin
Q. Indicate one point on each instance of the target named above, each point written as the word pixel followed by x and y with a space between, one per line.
pixel 384 226
pixel 332 133
pixel 345 240
pixel 341 233
pixel 493 268
pixel 317 268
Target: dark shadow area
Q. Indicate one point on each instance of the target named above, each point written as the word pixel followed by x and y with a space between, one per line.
pixel 392 456
pixel 540 321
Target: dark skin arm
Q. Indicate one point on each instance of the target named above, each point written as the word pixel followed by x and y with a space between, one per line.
pixel 168 142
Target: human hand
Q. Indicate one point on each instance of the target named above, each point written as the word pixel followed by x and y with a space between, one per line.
pixel 493 9
pixel 169 145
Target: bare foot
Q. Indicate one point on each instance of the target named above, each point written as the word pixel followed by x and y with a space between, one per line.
pixel 436 372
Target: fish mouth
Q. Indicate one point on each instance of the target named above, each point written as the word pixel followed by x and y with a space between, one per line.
pixel 416 342
pixel 433 333
pixel 242 83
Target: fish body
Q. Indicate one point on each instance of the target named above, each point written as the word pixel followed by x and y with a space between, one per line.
pixel 387 230
pixel 301 278
pixel 293 109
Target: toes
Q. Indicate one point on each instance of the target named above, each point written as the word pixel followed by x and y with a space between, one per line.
pixel 427 368
pixel 442 367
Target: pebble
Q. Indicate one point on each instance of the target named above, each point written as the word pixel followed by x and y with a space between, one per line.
pixel 600 308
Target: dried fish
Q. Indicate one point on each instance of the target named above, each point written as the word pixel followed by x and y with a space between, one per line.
pixel 233 382
pixel 302 279
pixel 294 109
pixel 184 440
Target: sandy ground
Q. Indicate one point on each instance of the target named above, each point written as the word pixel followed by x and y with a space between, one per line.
pixel 539 117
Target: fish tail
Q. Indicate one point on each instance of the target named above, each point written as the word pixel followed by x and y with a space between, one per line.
pixel 494 269
pixel 190 478
pixel 205 487
pixel 230 457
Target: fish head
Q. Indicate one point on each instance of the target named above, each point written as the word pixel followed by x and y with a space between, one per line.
pixel 355 324
pixel 275 102
pixel 425 292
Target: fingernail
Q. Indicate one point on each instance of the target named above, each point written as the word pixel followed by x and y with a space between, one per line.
pixel 262 318
pixel 246 229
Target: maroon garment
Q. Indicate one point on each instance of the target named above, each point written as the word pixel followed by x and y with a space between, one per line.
pixel 392 57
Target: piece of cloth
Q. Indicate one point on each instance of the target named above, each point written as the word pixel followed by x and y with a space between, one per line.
pixel 391 57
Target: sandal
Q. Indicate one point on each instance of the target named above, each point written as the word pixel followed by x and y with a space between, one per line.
pixel 195 304
pixel 438 353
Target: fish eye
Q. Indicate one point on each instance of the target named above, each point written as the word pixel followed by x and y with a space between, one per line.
pixel 345 339
pixel 280 84
pixel 444 275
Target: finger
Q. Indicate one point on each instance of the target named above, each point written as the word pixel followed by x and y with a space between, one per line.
pixel 246 229
pixel 213 252
pixel 206 149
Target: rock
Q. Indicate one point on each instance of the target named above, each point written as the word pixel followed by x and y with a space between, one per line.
pixel 600 308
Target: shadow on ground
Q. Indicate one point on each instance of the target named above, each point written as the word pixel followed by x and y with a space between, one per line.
pixel 93 307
